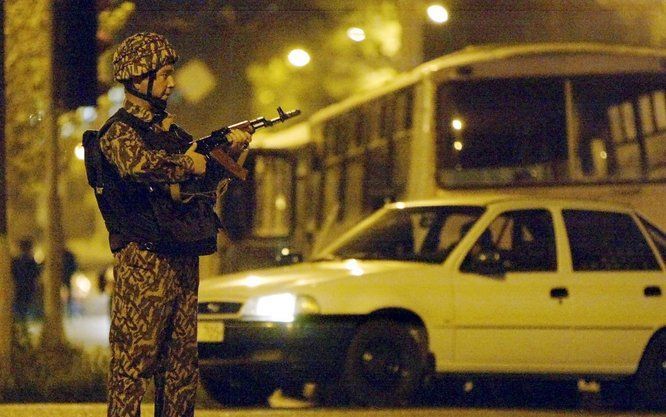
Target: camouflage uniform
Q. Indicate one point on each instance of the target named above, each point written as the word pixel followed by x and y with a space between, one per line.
pixel 154 306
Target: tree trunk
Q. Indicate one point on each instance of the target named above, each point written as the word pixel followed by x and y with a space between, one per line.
pixel 53 335
pixel 6 290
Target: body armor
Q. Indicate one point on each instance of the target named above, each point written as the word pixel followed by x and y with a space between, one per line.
pixel 145 213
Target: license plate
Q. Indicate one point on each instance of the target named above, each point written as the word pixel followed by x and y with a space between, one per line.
pixel 210 331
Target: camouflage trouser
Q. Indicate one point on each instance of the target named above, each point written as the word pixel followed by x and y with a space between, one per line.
pixel 153 333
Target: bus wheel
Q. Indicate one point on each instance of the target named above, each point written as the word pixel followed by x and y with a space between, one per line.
pixel 650 380
pixel 385 364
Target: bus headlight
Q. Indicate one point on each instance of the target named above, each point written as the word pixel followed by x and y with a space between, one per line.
pixel 278 307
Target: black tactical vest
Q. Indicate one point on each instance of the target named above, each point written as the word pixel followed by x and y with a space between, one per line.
pixel 144 213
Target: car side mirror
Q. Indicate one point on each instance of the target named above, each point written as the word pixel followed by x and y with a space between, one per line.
pixel 489 262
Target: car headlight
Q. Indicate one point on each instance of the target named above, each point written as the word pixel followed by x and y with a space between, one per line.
pixel 278 307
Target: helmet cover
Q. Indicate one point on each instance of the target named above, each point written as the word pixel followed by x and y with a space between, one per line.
pixel 140 54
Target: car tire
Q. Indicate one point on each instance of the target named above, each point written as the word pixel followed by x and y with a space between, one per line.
pixel 650 379
pixel 385 364
pixel 236 390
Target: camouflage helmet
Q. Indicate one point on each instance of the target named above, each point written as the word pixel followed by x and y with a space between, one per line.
pixel 140 54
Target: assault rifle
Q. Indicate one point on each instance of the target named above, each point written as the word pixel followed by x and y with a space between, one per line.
pixel 216 144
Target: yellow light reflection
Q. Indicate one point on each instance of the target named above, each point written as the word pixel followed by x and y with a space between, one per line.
pixel 354 268
pixel 458 145
pixel 280 203
pixel 252 281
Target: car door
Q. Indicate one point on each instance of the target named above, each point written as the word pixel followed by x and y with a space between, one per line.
pixel 615 297
pixel 512 322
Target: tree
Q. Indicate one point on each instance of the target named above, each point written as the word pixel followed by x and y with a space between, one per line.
pixel 6 293
pixel 650 15
pixel 339 65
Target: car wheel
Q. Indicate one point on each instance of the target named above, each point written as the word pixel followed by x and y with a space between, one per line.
pixel 650 380
pixel 235 390
pixel 385 364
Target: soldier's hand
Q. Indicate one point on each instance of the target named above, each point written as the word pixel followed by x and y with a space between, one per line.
pixel 239 139
pixel 198 159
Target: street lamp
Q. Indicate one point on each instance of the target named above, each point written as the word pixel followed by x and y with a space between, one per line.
pixel 438 13
pixel 356 34
pixel 298 57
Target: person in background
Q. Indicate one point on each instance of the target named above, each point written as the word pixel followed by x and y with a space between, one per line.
pixel 25 272
pixel 69 267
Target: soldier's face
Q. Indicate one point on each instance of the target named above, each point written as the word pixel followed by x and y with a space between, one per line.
pixel 163 85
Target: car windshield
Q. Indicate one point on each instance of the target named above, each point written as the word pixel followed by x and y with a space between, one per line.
pixel 418 234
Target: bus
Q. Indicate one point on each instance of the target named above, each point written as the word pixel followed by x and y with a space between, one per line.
pixel 549 119
pixel 260 217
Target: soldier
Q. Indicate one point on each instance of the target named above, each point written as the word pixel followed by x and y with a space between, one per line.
pixel 155 240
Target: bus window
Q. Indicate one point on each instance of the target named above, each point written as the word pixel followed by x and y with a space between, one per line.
pixel 621 131
pixel 274 178
pixel 404 103
pixel 387 117
pixel 659 100
pixel 501 131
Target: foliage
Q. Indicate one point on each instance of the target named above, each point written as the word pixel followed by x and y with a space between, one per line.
pixel 339 66
pixel 27 67
pixel 111 21
pixel 648 14
pixel 67 374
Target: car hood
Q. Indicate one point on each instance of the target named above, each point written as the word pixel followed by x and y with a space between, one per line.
pixel 240 286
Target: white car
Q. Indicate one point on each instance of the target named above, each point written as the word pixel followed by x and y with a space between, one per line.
pixel 483 285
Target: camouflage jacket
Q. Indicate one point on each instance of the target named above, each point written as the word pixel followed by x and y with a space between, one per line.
pixel 123 147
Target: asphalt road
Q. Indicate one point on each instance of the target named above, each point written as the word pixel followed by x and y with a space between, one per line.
pixel 99 410
pixel 91 331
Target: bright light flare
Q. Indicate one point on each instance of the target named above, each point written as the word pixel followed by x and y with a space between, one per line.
pixel 87 113
pixel 458 145
pixel 81 285
pixel 279 307
pixel 356 34
pixel 79 152
pixel 354 267
pixel 252 281
pixel 457 124
pixel 438 13
pixel 298 57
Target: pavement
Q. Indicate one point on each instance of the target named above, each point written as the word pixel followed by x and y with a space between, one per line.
pixel 99 410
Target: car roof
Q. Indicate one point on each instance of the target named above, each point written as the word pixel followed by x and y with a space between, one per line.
pixel 484 200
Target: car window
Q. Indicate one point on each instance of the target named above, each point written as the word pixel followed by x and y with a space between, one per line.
pixel 605 241
pixel 657 236
pixel 524 239
pixel 421 234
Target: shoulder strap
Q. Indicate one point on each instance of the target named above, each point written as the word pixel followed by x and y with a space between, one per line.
pixel 132 120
